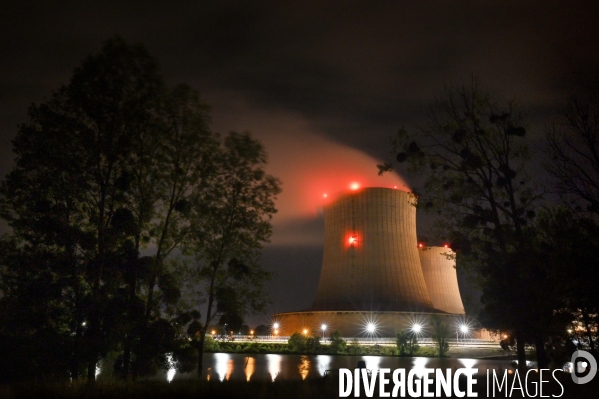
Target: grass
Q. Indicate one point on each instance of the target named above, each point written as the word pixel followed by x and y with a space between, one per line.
pixel 351 349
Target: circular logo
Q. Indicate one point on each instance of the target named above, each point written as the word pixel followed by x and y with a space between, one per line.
pixel 581 367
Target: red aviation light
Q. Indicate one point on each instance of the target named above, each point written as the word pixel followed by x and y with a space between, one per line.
pixel 353 240
pixel 446 245
pixel 420 245
pixel 354 186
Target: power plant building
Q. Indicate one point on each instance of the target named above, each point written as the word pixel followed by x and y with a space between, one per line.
pixel 438 266
pixel 374 271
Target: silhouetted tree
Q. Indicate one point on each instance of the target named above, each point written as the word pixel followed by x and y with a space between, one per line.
pixel 440 335
pixel 406 342
pixel 569 248
pixel 574 148
pixel 474 161
pixel 570 238
pixel 109 167
pixel 231 222
pixel 169 172
pixel 297 342
pixel 69 191
pixel 338 344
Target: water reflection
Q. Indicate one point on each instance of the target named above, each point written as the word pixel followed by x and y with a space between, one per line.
pixel 223 365
pixel 469 363
pixel 323 362
pixel 170 374
pixel 250 367
pixel 372 362
pixel 419 366
pixel 304 367
pixel 274 365
pixel 244 367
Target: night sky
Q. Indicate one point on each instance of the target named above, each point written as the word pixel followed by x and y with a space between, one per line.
pixel 324 84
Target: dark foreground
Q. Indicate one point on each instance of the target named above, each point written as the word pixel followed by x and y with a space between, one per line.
pixel 327 387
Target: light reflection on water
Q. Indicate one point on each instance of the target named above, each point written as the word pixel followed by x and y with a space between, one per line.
pixel 419 366
pixel 372 362
pixel 223 366
pixel 304 367
pixel 250 366
pixel 323 362
pixel 237 366
pixel 274 365
pixel 170 374
pixel 469 363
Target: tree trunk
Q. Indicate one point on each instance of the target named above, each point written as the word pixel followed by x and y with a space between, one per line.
pixel 74 372
pixel 201 353
pixel 92 342
pixel 126 374
pixel 91 372
pixel 204 329
pixel 542 362
pixel 75 355
pixel 521 353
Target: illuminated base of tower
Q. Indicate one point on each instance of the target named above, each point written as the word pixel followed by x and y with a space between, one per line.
pixel 356 323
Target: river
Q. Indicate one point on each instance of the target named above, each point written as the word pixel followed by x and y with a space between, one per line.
pixel 237 366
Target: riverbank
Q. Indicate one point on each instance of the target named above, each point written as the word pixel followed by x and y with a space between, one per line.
pixel 455 351
pixel 478 353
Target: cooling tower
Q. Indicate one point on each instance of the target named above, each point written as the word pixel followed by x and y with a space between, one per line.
pixel 438 266
pixel 370 260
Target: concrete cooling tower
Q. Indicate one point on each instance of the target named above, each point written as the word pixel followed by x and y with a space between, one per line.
pixel 438 266
pixel 374 279
pixel 371 259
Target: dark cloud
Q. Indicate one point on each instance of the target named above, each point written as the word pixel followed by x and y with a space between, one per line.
pixel 349 72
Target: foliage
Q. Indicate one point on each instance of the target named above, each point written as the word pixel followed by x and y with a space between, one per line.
pixel 574 148
pixel 72 198
pixel 230 223
pixel 474 159
pixel 262 330
pixel 440 335
pixel 354 348
pixel 406 343
pixel 211 345
pixel 313 345
pixel 508 344
pixel 568 238
pixel 297 342
pixel 114 165
pixel 338 344
pixel 568 249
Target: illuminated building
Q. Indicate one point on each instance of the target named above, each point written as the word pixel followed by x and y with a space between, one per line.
pixel 374 272
pixel 370 259
pixel 438 267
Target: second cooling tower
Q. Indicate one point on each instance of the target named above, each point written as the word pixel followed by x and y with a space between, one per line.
pixel 438 266
pixel 371 260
